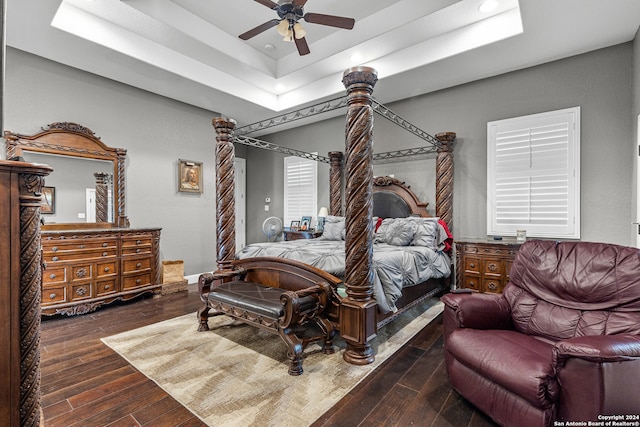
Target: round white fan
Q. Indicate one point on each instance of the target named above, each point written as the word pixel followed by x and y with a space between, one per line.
pixel 272 227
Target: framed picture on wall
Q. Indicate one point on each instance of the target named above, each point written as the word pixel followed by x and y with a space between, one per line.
pixel 189 176
pixel 48 200
pixel 305 224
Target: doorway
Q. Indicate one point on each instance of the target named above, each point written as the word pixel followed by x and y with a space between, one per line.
pixel 240 202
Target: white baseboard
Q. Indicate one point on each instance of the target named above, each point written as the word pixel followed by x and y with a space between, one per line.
pixel 192 279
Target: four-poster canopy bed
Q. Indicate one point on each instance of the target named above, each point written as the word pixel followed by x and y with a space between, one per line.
pixel 353 311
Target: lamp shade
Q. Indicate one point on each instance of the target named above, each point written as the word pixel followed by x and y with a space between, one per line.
pixel 323 212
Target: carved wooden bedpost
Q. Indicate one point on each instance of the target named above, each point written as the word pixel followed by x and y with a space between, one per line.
pixel 102 196
pixel 225 192
pixel 21 292
pixel 335 183
pixel 358 325
pixel 444 178
pixel 122 220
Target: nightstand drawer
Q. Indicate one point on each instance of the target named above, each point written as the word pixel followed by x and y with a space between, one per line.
pixel 483 265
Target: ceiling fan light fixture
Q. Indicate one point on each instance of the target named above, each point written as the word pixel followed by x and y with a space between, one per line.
pixel 283 27
pixel 288 37
pixel 299 30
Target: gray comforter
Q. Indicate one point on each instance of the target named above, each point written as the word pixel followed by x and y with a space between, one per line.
pixel 394 267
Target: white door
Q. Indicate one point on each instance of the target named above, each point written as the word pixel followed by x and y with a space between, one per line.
pixel 241 204
pixel 90 205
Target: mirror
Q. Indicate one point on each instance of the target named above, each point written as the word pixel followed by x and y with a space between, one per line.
pixel 86 173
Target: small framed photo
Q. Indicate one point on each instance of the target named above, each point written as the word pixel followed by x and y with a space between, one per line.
pixel 305 224
pixel 295 225
pixel 48 200
pixel 189 176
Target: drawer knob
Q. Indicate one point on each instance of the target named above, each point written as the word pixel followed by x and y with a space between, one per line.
pixel 138 281
pixel 107 269
pixel 107 287
pixel 492 286
pixel 52 296
pixel 81 291
pixel 492 267
pixel 54 249
pixel 81 246
pixel 472 265
pixel 55 258
pixel 82 272
pixel 104 245
pixel 138 250
pixel 105 253
pixel 138 242
pixel 52 276
pixel 138 265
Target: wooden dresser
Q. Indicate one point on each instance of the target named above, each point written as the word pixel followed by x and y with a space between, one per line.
pixel 483 265
pixel 89 268
pixel 301 234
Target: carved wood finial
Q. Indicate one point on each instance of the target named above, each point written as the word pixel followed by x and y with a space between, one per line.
pixel 225 192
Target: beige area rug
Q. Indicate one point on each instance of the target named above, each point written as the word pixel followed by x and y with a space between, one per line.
pixel 236 375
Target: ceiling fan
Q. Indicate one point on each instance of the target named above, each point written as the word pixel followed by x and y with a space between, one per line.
pixel 290 12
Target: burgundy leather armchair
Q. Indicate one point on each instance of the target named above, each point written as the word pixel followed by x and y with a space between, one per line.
pixel 561 343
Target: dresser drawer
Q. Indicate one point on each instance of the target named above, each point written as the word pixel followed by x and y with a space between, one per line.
pixel 493 267
pixel 471 282
pixel 105 287
pixel 64 256
pixel 108 268
pixel 136 281
pixel 54 275
pixel 492 284
pixel 78 245
pixel 472 265
pixel 82 271
pixel 54 295
pixel 81 291
pixel 136 250
pixel 136 264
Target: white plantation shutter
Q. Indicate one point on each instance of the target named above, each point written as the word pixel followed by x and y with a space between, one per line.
pixel 300 189
pixel 533 180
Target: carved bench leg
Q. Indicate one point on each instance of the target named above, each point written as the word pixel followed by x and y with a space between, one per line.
pixel 203 315
pixel 329 332
pixel 294 350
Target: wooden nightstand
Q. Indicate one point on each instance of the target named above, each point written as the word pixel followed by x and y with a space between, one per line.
pixel 298 234
pixel 483 265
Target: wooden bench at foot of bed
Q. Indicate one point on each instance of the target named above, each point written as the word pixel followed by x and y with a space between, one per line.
pixel 281 296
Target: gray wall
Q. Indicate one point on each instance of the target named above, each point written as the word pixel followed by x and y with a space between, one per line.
pixel 635 152
pixel 156 132
pixel 600 82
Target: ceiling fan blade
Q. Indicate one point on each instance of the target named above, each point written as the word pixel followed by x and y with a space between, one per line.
pixel 268 3
pixel 299 2
pixel 259 29
pixel 330 20
pixel 303 47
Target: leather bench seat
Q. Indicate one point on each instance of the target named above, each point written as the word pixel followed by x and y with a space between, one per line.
pixel 256 298
pixel 491 354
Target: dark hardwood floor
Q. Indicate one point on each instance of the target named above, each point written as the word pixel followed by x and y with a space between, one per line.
pixel 86 384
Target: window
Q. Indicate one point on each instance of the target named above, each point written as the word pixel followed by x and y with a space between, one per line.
pixel 300 188
pixel 533 168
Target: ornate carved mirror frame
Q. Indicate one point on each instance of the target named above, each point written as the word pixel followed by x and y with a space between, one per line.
pixel 72 139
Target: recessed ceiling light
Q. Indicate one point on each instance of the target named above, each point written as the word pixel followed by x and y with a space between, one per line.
pixel 279 87
pixel 269 46
pixel 487 6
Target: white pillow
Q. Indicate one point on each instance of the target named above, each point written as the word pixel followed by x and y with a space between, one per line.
pixel 334 228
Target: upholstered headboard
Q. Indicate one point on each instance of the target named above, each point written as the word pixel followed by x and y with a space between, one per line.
pixel 392 198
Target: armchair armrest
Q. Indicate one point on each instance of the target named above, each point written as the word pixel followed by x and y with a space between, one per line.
pixel 598 348
pixel 598 375
pixel 478 311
